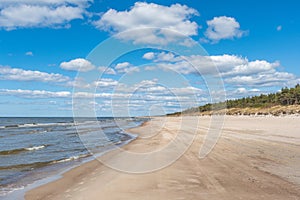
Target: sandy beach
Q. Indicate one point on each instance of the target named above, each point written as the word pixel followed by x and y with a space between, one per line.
pixel 254 158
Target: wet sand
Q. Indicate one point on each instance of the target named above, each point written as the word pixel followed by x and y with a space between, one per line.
pixel 255 158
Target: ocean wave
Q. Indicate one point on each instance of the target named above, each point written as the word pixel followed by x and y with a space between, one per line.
pixel 46 124
pixel 20 150
pixel 35 148
pixel 28 125
pixel 30 166
pixel 72 158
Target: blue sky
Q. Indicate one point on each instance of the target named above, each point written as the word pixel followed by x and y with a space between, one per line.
pixel 46 44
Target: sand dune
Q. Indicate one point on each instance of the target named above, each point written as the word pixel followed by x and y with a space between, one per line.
pixel 255 158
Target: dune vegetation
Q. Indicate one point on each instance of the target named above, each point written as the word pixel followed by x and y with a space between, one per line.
pixel 286 101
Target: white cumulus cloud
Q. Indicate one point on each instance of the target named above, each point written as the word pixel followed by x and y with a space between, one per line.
pixel 223 28
pixel 35 93
pixel 149 56
pixel 235 70
pixel 107 70
pixel 142 15
pixel 126 67
pixel 16 74
pixel 105 83
pixel 265 79
pixel 78 64
pixel 38 13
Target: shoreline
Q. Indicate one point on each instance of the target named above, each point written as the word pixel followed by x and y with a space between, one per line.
pixel 244 143
pixel 72 171
pixel 19 193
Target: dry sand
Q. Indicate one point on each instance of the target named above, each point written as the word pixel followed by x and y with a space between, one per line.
pixel 255 158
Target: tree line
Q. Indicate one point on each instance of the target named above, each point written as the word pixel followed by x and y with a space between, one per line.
pixel 285 97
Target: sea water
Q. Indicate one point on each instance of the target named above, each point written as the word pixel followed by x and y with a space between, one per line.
pixel 32 149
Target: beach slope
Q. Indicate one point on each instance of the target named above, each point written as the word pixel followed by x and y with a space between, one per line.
pixel 255 158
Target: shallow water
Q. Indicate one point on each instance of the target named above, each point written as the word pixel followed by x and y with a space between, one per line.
pixel 34 148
